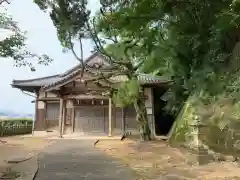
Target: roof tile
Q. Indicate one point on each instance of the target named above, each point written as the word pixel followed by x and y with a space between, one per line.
pixel 51 81
pixel 38 82
pixel 142 78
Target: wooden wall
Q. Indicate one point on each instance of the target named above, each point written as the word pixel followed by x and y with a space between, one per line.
pixel 43 122
pixel 52 115
pixel 130 120
pixel 39 124
pixel 46 117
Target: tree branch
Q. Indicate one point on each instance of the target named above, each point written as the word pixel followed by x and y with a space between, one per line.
pixel 81 51
pixel 2 1
pixel 113 36
pixel 80 59
pixel 101 49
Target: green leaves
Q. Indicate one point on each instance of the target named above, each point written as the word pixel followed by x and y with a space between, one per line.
pixel 127 93
pixel 13 45
pixel 14 38
pixel 188 41
pixel 69 17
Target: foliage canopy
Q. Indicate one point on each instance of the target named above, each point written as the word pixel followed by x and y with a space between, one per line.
pixel 12 43
pixel 190 42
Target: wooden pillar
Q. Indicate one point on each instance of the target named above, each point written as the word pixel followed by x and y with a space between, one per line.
pixel 153 114
pixel 114 116
pixel 64 116
pixel 110 117
pixel 45 112
pixel 60 117
pixel 45 115
pixel 36 113
pixel 123 122
pixel 73 118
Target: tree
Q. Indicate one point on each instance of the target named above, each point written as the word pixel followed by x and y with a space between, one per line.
pixel 73 22
pixel 13 45
pixel 189 41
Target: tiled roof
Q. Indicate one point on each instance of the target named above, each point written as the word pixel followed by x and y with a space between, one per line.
pixel 48 80
pixel 38 82
pixel 62 79
pixel 52 81
pixel 142 78
pixel 66 78
pixel 77 67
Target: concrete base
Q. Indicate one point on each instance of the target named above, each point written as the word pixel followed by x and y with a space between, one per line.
pixel 86 136
pixel 40 134
pixel 161 138
pixel 55 135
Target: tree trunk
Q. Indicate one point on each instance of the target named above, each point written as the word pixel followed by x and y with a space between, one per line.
pixel 142 119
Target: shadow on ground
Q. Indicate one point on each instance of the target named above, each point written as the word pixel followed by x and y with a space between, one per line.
pixel 79 159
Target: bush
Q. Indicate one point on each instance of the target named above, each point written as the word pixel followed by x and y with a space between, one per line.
pixel 15 126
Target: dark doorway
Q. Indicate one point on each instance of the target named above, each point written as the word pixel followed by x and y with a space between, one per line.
pixel 163 120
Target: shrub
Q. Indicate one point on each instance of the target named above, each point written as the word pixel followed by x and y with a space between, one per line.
pixel 15 126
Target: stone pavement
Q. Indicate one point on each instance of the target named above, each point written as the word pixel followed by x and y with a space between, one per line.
pixel 79 160
pixel 26 169
pixel 18 156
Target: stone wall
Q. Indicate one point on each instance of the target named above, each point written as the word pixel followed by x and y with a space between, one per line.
pixel 214 127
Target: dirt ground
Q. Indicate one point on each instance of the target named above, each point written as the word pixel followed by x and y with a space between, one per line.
pixel 17 146
pixel 152 160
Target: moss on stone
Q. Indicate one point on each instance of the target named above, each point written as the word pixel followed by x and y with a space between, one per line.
pixel 217 126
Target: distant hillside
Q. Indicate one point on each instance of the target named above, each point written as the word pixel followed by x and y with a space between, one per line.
pixel 11 114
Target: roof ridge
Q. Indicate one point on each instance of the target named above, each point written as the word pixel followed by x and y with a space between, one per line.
pixel 75 68
pixel 70 70
pixel 73 71
pixel 41 78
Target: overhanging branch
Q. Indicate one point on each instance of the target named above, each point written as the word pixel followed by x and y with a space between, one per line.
pixel 101 49
pixel 80 59
pixel 2 1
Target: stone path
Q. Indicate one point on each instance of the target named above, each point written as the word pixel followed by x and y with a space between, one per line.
pixel 79 160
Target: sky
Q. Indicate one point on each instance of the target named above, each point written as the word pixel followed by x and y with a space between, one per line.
pixel 41 38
